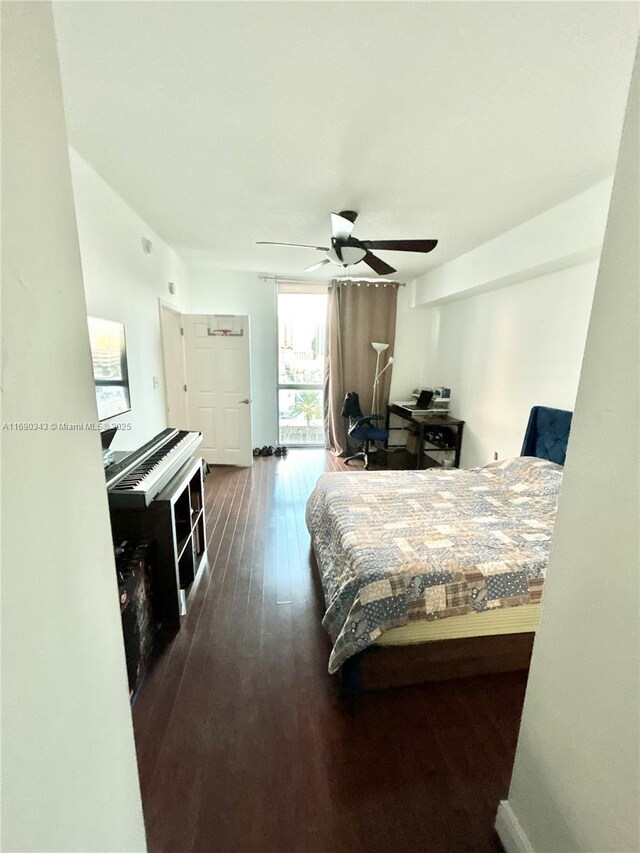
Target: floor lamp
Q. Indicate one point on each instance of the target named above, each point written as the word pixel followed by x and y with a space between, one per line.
pixel 379 348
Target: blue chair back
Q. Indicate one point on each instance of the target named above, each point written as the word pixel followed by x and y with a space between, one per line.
pixel 547 434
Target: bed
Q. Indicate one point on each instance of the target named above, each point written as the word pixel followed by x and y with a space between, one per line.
pixel 437 574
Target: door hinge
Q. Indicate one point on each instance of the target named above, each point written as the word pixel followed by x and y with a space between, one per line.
pixel 182 331
pixel 185 387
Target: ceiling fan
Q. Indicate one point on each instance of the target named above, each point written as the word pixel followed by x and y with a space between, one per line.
pixel 347 250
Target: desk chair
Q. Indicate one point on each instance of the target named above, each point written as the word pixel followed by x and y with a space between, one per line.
pixel 361 427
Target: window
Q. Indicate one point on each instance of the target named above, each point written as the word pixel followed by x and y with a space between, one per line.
pixel 110 373
pixel 301 351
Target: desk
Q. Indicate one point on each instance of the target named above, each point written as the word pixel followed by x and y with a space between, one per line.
pixel 426 425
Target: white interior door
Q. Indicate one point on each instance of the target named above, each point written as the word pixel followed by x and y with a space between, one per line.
pixel 217 352
pixel 175 375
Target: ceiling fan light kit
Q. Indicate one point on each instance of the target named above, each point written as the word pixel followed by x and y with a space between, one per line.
pixel 347 251
pixel 347 256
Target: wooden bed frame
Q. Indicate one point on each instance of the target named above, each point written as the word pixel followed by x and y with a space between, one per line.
pixel 440 660
pixel 378 667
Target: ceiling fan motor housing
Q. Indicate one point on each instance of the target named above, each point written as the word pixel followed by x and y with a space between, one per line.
pixel 346 253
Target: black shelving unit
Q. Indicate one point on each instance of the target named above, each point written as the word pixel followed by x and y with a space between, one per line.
pixel 179 523
pixel 175 522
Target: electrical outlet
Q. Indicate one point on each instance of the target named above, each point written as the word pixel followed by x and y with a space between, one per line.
pixel 495 455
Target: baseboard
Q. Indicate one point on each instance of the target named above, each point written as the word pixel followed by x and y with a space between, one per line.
pixel 512 836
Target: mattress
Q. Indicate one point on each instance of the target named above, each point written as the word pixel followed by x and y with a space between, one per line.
pixel 413 550
pixel 508 620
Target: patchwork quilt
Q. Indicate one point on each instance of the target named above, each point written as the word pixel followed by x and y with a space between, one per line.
pixel 397 546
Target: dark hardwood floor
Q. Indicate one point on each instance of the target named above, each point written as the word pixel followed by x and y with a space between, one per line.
pixel 243 742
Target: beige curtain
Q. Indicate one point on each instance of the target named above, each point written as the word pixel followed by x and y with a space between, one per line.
pixel 356 316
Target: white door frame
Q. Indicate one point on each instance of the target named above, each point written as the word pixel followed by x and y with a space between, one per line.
pixel 166 306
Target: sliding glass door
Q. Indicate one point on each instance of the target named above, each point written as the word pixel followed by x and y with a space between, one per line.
pixel 301 353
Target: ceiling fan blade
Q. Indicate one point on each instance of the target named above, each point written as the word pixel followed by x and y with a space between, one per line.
pixel 401 245
pixel 378 265
pixel 295 245
pixel 318 265
pixel 342 224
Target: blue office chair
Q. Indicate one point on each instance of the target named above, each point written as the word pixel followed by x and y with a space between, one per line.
pixel 361 427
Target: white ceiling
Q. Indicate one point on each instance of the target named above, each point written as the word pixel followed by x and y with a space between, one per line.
pixel 223 123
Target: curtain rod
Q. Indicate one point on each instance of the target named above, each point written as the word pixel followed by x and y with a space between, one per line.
pixel 366 281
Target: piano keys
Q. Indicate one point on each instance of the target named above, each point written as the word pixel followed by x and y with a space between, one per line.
pixel 134 482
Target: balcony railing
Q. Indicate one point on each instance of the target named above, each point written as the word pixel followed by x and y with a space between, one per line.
pixel 301 435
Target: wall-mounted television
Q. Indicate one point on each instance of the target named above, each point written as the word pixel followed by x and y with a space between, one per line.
pixel 110 373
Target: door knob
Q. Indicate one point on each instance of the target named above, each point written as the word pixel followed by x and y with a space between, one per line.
pixel 246 402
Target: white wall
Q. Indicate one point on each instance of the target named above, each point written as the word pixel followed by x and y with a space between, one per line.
pixel 505 351
pixel 123 283
pixel 504 325
pixel 415 330
pixel 563 236
pixel 576 779
pixel 69 779
pixel 219 291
